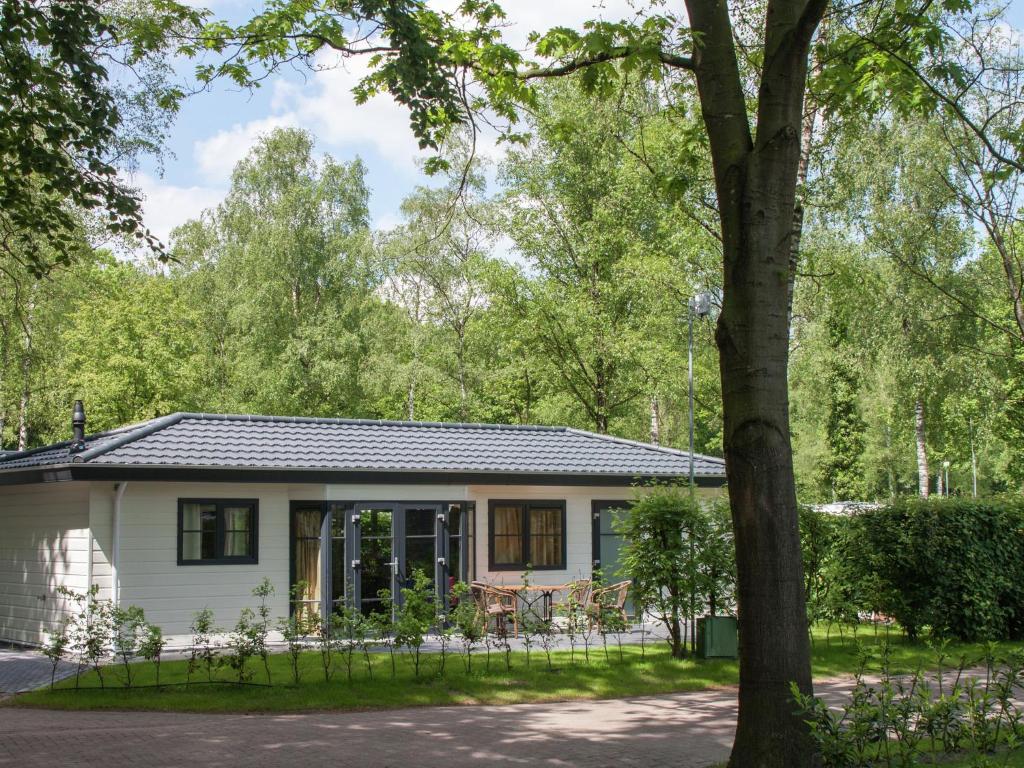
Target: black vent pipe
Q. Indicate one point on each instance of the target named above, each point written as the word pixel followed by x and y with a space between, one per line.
pixel 78 426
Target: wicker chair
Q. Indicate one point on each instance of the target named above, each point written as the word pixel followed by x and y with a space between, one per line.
pixel 610 598
pixel 578 594
pixel 498 605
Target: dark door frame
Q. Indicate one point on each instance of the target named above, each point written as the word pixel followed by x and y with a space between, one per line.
pixel 442 542
pixel 596 507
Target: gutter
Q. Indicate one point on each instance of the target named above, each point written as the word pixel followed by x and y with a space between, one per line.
pixel 115 546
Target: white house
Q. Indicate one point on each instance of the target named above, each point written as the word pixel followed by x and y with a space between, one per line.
pixel 193 510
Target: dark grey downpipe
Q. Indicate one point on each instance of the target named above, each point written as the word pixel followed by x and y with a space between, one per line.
pixel 78 427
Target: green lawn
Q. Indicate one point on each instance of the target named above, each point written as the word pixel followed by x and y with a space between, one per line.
pixel 1014 759
pixel 600 679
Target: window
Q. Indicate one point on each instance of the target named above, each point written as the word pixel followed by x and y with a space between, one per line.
pixel 522 532
pixel 216 531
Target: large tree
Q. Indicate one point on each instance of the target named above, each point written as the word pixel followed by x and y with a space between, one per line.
pixel 86 86
pixel 750 67
pixel 280 273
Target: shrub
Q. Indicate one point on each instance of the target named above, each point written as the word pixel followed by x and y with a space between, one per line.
pixel 56 647
pixel 678 553
pixel 955 566
pixel 468 621
pixel 297 627
pixel 414 616
pixel 897 721
pixel 90 630
pixel 263 592
pixel 245 643
pixel 126 626
pixel 203 652
pixel 151 647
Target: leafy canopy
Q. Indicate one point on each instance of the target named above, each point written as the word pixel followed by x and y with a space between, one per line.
pixel 67 121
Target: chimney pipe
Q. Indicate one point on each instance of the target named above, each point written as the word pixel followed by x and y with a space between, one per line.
pixel 78 426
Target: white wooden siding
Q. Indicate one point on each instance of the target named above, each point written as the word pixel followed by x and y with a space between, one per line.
pixel 44 544
pixel 170 594
pixel 45 541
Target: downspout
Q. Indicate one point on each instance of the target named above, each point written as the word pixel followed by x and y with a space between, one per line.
pixel 115 544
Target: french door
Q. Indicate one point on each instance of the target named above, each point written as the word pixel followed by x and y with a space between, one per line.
pixel 390 542
pixel 607 542
pixel 359 554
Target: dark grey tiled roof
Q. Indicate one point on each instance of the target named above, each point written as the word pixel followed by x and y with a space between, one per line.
pixel 274 442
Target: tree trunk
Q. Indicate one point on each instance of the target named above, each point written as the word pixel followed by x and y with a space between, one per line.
pixel 461 361
pixel 655 421
pixel 755 183
pixel 1012 271
pixel 26 370
pixel 940 487
pixel 923 479
pixel 600 397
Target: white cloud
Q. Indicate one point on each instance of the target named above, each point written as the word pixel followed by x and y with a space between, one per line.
pixel 323 104
pixel 166 206
pixel 217 156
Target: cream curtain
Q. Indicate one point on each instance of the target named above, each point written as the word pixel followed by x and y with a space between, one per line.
pixel 545 536
pixel 308 557
pixel 508 534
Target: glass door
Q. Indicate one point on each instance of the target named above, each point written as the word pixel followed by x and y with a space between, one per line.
pixel 374 565
pixel 347 554
pixel 607 543
pixel 419 537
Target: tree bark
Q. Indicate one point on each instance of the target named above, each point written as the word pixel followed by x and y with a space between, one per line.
pixel 26 370
pixel 923 479
pixel 755 181
pixel 1012 270
pixel 655 421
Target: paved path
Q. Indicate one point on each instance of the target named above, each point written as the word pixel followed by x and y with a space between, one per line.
pixel 679 730
pixel 686 730
pixel 25 670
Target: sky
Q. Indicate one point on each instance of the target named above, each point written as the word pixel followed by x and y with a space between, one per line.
pixel 215 129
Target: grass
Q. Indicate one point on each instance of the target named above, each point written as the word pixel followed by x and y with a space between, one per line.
pixel 1011 759
pixel 634 675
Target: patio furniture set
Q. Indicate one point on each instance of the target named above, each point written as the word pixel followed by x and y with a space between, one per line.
pixel 503 604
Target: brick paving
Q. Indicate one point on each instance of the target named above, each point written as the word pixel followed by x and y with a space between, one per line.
pixel 680 730
pixel 685 730
pixel 26 670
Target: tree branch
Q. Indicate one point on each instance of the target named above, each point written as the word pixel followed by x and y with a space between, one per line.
pixel 673 60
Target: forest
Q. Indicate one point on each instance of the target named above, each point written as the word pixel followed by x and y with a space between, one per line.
pixel 550 286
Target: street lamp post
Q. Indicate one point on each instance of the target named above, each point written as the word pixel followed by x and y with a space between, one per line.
pixel 945 470
pixel 699 305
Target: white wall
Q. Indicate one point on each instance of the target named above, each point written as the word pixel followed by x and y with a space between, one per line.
pixel 45 541
pixel 170 594
pixel 148 572
pixel 44 544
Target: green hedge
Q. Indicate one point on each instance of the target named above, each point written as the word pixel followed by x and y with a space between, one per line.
pixel 952 566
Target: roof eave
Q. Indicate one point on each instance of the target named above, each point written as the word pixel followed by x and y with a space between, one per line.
pixel 206 473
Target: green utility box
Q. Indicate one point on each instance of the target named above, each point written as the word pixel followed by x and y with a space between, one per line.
pixel 717 637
